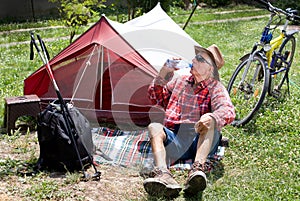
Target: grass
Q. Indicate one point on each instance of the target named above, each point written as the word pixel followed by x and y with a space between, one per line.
pixel 26 25
pixel 263 160
pixel 217 15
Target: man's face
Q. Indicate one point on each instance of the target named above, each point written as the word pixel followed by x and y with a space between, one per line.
pixel 202 67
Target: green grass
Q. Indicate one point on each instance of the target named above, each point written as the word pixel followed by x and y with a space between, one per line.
pixel 263 160
pixel 201 16
pixel 16 26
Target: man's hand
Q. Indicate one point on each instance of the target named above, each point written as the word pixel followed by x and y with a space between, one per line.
pixel 205 123
pixel 165 71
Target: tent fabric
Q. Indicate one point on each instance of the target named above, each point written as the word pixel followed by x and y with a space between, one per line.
pixel 157 37
pixel 99 34
pixel 107 70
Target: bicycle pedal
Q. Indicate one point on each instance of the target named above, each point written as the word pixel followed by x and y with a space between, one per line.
pixel 276 93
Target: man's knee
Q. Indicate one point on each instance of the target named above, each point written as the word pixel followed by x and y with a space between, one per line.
pixel 155 129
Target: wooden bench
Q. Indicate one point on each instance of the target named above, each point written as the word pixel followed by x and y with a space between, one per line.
pixel 15 107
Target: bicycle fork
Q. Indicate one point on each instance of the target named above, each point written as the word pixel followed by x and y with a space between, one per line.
pixel 248 87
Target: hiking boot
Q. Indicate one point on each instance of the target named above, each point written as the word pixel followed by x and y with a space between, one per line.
pixel 196 181
pixel 162 184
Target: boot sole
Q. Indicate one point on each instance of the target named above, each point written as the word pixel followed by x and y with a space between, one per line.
pixel 160 189
pixel 195 184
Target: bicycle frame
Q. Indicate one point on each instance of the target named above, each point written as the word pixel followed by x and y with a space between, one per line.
pixel 275 43
pixel 251 56
pixel 267 48
pixel 264 71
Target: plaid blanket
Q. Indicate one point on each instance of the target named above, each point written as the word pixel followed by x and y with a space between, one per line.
pixel 130 149
pixel 124 148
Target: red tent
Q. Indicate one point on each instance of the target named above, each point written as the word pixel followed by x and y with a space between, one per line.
pixel 105 77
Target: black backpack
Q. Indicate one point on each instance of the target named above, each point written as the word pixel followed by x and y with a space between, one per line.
pixel 57 150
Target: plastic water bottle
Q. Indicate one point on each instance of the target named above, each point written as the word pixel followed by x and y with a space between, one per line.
pixel 178 64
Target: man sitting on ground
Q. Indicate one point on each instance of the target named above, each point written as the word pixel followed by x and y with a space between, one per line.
pixel 196 107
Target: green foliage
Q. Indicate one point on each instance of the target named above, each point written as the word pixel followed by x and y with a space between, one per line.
pixel 146 5
pixel 217 3
pixel 47 190
pixel 283 4
pixel 77 13
pixel 294 4
pixel 135 8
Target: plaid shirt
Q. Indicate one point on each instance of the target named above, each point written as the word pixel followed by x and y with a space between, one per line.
pixel 185 101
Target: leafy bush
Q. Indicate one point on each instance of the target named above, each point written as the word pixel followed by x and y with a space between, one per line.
pixel 77 13
pixel 217 3
pixel 294 4
pixel 148 5
pixel 283 4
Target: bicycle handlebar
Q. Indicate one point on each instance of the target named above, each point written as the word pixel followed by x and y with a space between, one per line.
pixel 297 17
pixel 289 13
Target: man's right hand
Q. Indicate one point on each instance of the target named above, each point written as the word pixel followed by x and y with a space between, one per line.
pixel 165 71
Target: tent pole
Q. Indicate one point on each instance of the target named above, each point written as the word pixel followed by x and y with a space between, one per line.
pixel 101 74
pixel 197 3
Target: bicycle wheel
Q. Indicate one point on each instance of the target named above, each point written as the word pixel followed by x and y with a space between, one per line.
pixel 247 95
pixel 280 70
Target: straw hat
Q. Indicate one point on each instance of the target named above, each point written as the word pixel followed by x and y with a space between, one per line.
pixel 214 52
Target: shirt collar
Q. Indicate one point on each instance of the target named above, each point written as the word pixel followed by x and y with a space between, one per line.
pixel 191 81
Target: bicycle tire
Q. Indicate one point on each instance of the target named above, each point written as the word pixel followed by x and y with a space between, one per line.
pixel 246 99
pixel 283 60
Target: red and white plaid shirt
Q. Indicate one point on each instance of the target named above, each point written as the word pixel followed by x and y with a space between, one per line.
pixel 185 101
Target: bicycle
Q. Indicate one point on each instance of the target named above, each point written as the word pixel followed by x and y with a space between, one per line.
pixel 265 69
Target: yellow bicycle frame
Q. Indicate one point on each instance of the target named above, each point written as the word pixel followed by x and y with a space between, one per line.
pixel 275 43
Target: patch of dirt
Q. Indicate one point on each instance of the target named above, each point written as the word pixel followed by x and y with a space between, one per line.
pixel 116 183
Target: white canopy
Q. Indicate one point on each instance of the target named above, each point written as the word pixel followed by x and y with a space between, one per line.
pixel 157 37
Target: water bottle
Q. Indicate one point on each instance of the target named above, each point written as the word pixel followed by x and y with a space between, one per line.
pixel 178 64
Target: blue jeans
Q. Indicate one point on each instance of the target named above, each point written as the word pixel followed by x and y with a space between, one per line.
pixel 181 143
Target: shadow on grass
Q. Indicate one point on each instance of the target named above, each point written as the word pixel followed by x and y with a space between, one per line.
pixel 197 197
pixel 264 114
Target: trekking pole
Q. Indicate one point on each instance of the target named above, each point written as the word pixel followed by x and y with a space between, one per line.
pixel 46 62
pixel 64 107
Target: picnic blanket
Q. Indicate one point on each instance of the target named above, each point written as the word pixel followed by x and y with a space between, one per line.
pixel 130 149
pixel 124 148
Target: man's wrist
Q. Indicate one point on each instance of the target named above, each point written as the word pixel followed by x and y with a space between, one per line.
pixel 166 76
